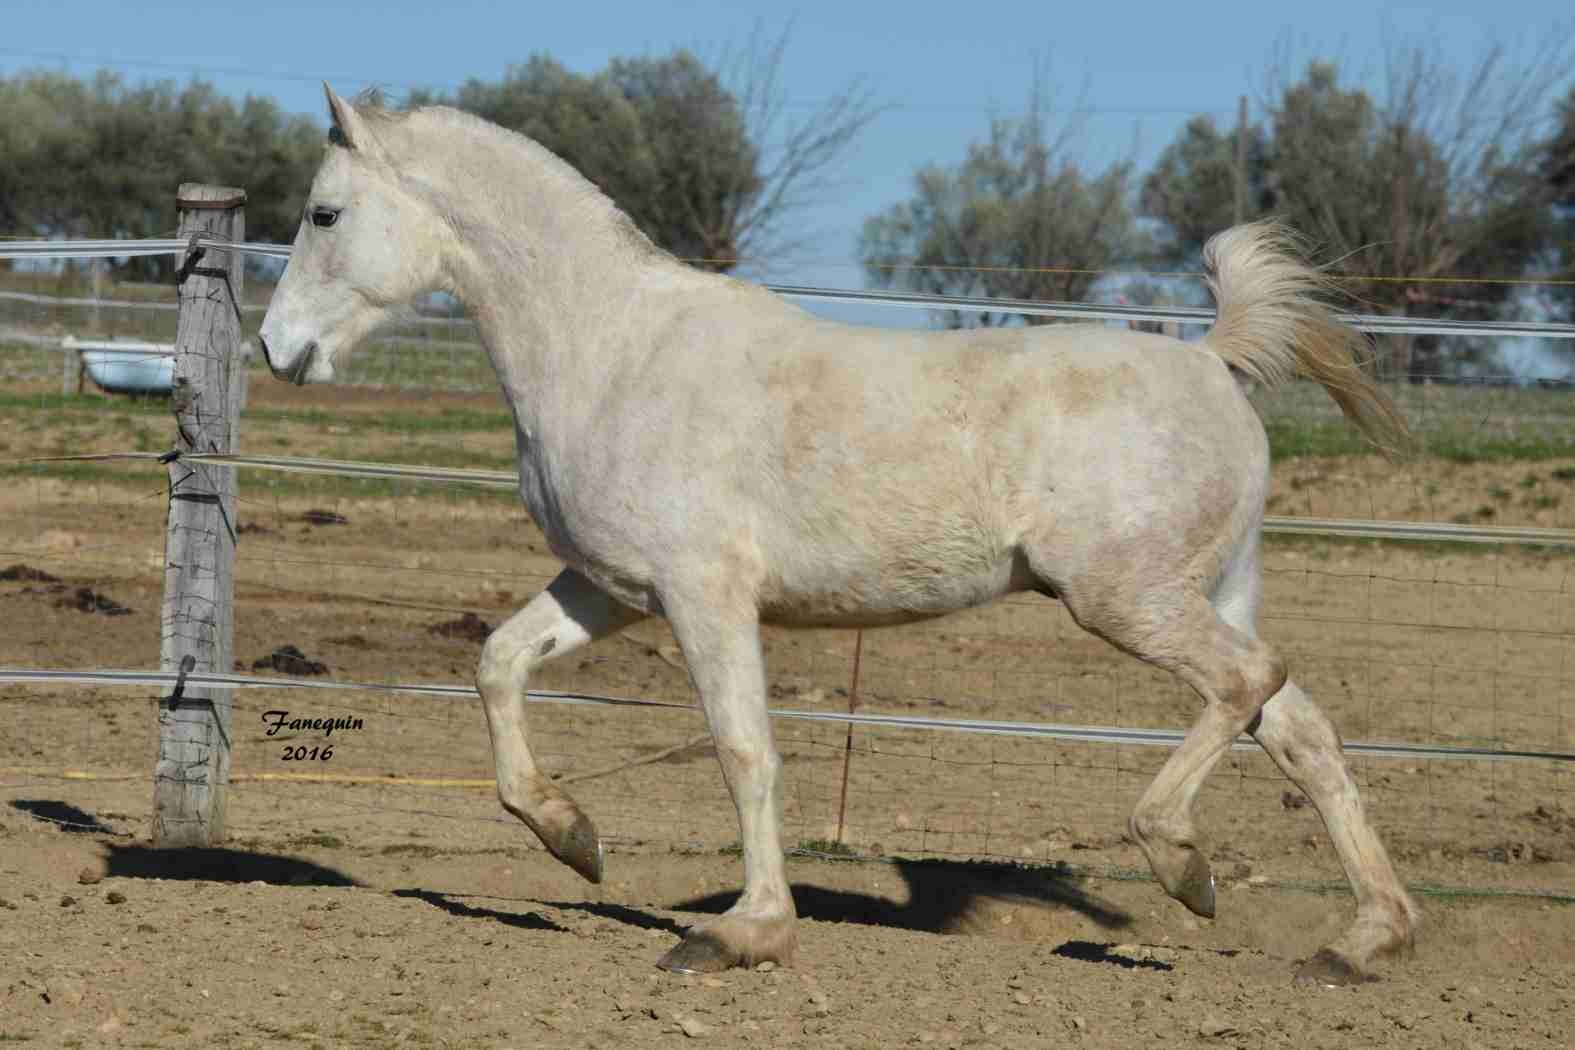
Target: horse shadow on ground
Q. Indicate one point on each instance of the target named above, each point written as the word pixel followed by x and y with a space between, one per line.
pixel 459 909
pixel 208 864
pixel 943 897
pixel 451 903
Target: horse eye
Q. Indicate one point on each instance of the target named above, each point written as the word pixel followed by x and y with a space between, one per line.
pixel 324 217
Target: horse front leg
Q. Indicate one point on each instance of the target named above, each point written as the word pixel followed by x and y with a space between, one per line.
pixel 720 637
pixel 569 613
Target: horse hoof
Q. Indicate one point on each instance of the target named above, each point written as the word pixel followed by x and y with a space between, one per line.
pixel 1330 969
pixel 699 953
pixel 1196 889
pixel 580 848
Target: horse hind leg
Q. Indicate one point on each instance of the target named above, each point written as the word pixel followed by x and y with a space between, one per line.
pixel 564 617
pixel 1303 743
pixel 1178 628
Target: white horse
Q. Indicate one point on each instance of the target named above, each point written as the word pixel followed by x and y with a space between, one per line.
pixel 694 447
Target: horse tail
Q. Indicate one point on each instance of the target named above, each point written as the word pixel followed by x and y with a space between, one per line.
pixel 1273 324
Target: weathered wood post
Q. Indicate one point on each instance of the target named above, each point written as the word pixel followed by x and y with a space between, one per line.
pixel 199 584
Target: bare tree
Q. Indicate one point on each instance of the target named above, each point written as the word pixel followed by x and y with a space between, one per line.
pixel 798 154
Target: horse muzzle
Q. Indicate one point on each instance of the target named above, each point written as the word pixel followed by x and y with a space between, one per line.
pixel 296 372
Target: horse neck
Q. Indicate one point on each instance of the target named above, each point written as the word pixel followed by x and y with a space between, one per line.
pixel 557 280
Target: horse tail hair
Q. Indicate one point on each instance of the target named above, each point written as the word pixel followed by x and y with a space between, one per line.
pixel 1274 324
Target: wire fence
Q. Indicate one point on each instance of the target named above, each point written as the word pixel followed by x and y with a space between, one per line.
pixel 1441 649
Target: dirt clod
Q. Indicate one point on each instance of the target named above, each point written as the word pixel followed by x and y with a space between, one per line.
pixel 27 573
pixel 86 599
pixel 470 627
pixel 289 660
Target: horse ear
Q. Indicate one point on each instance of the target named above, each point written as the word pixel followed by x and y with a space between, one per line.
pixel 347 129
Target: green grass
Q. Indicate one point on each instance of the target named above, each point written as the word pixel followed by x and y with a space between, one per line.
pixel 1460 424
pixel 1323 547
pixel 445 421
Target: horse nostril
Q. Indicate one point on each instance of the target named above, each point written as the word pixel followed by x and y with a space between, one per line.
pixel 302 363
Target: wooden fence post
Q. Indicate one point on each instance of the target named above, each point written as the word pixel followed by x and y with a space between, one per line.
pixel 199 584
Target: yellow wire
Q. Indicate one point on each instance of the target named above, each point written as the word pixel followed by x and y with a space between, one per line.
pixel 238 778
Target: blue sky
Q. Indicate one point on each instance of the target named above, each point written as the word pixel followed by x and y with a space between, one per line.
pixel 1142 69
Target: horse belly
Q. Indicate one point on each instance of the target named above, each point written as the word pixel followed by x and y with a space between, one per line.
pixel 903 592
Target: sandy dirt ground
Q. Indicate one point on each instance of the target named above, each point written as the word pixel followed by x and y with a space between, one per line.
pixel 347 910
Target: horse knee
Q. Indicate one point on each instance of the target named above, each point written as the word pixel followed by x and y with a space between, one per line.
pixel 501 669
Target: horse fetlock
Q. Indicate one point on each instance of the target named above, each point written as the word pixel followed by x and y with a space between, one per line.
pixel 733 940
pixel 1377 933
pixel 1330 968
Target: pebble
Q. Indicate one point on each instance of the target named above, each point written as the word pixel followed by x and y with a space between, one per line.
pixel 692 1028
pixel 765 967
pixel 1214 1026
pixel 116 897
pixel 67 901
pixel 89 876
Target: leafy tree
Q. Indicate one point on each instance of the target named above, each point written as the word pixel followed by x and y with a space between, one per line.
pixel 696 155
pixel 1426 193
pixel 1192 187
pixel 99 158
pixel 1017 219
pixel 1434 181
pixel 1559 167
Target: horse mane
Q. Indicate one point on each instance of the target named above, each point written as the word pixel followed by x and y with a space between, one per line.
pixel 371 106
